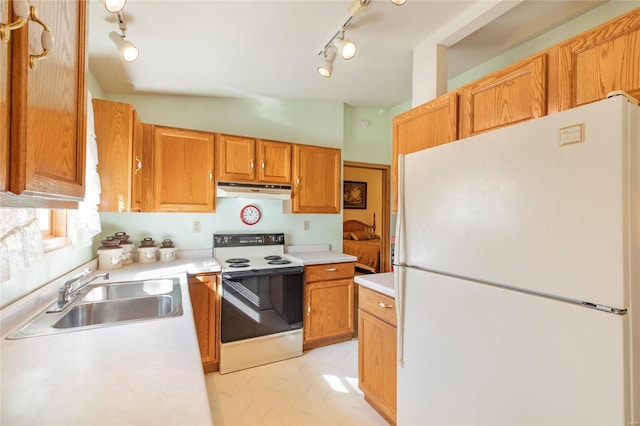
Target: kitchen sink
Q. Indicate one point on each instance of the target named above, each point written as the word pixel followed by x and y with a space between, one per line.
pixel 117 310
pixel 128 289
pixel 109 304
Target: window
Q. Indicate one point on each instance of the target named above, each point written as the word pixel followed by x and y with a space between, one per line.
pixel 53 225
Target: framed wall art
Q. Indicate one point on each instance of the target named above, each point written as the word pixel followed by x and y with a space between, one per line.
pixel 355 195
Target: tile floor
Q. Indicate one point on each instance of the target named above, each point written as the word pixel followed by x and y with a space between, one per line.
pixel 318 388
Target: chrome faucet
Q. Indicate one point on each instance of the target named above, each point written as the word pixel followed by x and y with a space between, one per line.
pixel 66 290
pixel 104 275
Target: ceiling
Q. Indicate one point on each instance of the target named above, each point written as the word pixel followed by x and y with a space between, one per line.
pixel 269 49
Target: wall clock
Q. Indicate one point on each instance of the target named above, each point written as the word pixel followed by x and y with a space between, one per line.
pixel 250 214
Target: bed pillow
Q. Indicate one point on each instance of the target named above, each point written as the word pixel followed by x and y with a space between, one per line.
pixel 361 235
pixel 346 236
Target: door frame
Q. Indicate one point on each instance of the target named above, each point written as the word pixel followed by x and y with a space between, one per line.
pixel 385 223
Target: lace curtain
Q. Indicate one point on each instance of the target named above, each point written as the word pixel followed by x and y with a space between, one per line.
pixel 20 236
pixel 84 222
pixel 20 240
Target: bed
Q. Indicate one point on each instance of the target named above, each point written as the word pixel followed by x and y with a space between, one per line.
pixel 359 239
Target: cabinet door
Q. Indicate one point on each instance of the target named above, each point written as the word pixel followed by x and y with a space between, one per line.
pixel 377 363
pixel 316 179
pixel 329 312
pixel 604 59
pixel 204 300
pixel 426 126
pixel 236 158
pixel 274 161
pixel 48 104
pixel 113 123
pixel 182 170
pixel 513 94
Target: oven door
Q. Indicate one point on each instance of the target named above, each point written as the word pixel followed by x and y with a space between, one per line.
pixel 261 302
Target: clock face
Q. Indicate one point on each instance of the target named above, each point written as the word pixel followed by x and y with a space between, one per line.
pixel 250 214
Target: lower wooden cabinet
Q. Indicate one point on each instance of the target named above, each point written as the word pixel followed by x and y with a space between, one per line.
pixel 205 301
pixel 377 351
pixel 328 298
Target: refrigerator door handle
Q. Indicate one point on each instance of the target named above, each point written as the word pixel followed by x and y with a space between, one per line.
pixel 399 256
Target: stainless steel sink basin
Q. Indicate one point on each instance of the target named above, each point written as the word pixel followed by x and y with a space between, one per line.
pixel 109 304
pixel 128 289
pixel 117 310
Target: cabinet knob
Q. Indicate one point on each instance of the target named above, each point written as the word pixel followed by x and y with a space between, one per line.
pixel 21 10
pixel 298 181
pixel 308 310
pixel 251 165
pixel 262 165
pixel 210 176
pixel 46 40
pixel 384 305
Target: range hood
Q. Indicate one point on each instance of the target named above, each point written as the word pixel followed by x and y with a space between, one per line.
pixel 253 190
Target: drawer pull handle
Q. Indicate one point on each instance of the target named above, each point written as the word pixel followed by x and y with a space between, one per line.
pixel 46 40
pixel 331 269
pixel 21 10
pixel 139 166
pixel 384 305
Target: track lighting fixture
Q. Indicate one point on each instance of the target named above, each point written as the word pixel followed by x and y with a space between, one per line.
pixel 114 6
pixel 347 48
pixel 128 50
pixel 398 2
pixel 326 66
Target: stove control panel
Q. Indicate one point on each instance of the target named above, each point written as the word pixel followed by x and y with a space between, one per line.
pixel 242 240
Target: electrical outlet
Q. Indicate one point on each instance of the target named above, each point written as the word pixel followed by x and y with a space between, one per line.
pixel 195 227
pixel 306 225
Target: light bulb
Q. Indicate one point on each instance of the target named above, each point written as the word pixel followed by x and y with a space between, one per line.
pixel 114 6
pixel 347 48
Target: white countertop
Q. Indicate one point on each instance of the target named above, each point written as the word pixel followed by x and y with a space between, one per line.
pixel 145 373
pixel 382 283
pixel 317 254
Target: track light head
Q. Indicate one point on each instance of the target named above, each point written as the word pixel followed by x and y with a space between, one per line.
pixel 326 66
pixel 398 2
pixel 128 50
pixel 346 47
pixel 114 6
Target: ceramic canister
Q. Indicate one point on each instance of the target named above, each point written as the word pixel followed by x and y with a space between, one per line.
pixel 110 254
pixel 127 247
pixel 147 251
pixel 167 251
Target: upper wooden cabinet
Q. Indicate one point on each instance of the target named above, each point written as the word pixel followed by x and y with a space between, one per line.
pixel 119 135
pixel 43 104
pixel 428 125
pixel 599 61
pixel 247 159
pixel 513 94
pixel 316 175
pixel 182 170
pixel 274 161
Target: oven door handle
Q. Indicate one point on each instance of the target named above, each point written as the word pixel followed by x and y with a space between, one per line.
pixel 262 272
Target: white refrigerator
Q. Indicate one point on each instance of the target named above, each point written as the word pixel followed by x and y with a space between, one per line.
pixel 518 274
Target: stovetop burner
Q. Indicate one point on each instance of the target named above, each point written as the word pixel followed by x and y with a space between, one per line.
pixel 273 257
pixel 235 260
pixel 238 265
pixel 279 262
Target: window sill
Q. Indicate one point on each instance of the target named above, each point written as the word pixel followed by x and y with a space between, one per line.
pixel 54 243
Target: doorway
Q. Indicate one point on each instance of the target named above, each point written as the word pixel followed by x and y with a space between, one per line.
pixel 377 177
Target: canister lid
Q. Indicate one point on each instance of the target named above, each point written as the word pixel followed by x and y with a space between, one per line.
pixel 167 243
pixel 110 243
pixel 147 242
pixel 122 236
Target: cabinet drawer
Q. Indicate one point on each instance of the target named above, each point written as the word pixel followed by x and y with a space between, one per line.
pixel 383 307
pixel 329 271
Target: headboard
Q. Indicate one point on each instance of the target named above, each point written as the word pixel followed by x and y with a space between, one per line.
pixel 355 225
